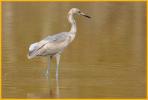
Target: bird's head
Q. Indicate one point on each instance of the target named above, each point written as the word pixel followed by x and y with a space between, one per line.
pixel 78 12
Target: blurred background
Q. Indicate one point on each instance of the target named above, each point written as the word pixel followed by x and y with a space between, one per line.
pixel 107 59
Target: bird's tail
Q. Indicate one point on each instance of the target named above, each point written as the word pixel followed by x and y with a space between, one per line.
pixel 29 57
pixel 32 50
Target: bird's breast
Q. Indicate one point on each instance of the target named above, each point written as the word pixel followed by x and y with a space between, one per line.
pixel 71 37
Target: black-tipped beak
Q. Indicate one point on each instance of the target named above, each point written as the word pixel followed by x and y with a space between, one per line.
pixel 85 15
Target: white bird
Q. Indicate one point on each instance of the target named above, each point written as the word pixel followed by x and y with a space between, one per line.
pixel 52 46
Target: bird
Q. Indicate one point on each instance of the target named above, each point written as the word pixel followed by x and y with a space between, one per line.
pixel 53 45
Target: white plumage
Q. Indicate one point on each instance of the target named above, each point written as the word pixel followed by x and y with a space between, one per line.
pixel 55 44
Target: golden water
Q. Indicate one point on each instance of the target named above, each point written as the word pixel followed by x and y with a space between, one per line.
pixel 106 60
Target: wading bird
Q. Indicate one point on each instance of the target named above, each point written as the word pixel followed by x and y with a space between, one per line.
pixel 52 46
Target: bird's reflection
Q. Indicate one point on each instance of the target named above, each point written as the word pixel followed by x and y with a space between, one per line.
pixel 53 85
pixel 52 89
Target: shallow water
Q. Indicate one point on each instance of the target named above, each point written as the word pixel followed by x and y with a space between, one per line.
pixel 106 60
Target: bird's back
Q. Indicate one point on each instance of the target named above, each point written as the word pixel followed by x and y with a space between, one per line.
pixel 49 45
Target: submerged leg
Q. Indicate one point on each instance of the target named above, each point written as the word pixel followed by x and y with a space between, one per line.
pixel 48 68
pixel 57 65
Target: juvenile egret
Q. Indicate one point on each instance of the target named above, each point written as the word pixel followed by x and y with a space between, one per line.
pixel 52 46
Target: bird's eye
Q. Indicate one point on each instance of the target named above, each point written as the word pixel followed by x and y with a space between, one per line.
pixel 79 11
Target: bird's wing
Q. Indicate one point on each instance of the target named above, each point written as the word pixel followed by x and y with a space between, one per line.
pixel 56 38
pixel 37 48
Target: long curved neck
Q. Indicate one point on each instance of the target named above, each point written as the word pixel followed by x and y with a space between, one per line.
pixel 73 23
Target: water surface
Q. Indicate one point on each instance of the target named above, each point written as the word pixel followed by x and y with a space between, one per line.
pixel 106 60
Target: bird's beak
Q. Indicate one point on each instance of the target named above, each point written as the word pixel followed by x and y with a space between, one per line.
pixel 84 15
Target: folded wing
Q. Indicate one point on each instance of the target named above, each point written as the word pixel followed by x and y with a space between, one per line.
pixel 38 48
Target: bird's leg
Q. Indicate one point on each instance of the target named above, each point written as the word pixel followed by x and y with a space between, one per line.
pixel 57 65
pixel 48 68
pixel 57 88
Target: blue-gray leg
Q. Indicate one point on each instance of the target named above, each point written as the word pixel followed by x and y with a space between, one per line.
pixel 57 88
pixel 48 68
pixel 57 65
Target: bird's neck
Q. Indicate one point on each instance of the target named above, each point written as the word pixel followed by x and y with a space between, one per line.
pixel 71 20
